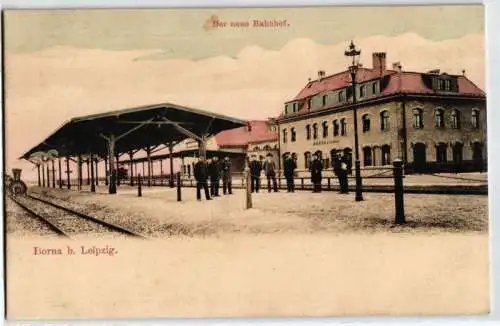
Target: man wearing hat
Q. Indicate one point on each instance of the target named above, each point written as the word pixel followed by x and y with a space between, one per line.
pixel 255 169
pixel 340 169
pixel 214 172
pixel 201 176
pixel 289 166
pixel 270 169
pixel 316 168
pixel 226 175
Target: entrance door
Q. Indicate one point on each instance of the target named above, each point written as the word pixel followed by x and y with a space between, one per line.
pixel 419 157
pixel 457 156
pixel 477 156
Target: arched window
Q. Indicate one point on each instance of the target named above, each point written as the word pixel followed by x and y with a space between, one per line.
pixel 343 127
pixel 256 148
pixel 335 127
pixel 325 129
pixel 475 118
pixel 366 123
pixel 315 131
pixel 384 120
pixel 267 148
pixel 441 153
pixel 308 132
pixel 293 134
pixel 455 119
pixel 439 118
pixel 386 155
pixel 325 98
pixel 307 160
pixel 285 134
pixel 418 119
pixel 367 156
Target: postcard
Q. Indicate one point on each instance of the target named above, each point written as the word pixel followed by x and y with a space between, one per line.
pixel 245 162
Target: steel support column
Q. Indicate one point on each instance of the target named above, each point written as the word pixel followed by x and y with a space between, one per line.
pixel 170 150
pixel 39 177
pixel 88 172
pixel 131 156
pixel 43 174
pixel 60 172
pixel 96 171
pixel 48 175
pixel 92 184
pixel 68 173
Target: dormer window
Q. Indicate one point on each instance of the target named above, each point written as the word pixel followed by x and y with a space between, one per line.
pixel 295 107
pixel 325 98
pixel 375 88
pixel 447 85
pixel 441 84
pixel 341 96
pixel 362 91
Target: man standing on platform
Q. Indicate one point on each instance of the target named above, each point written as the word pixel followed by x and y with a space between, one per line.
pixel 289 167
pixel 255 169
pixel 226 176
pixel 340 168
pixel 270 169
pixel 201 176
pixel 214 171
pixel 316 168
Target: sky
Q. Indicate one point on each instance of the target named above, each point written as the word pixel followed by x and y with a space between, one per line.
pixel 65 63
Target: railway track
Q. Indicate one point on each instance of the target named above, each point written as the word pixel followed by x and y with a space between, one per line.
pixel 66 222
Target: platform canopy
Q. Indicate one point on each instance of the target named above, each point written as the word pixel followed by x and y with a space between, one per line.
pixel 188 153
pixel 134 128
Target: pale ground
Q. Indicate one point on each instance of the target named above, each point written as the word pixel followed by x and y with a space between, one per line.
pixel 300 254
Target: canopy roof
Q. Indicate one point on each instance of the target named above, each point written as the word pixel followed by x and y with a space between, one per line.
pixel 188 153
pixel 83 135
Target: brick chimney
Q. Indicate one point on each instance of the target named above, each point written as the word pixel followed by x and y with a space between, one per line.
pixel 378 62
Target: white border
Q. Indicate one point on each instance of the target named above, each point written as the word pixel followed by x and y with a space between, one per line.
pixel 492 84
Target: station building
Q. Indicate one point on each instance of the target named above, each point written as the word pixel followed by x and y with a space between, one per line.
pixel 433 121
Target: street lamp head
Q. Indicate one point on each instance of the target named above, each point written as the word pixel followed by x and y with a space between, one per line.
pixel 353 53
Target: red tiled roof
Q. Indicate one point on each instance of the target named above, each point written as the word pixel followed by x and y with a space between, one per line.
pixel 242 136
pixel 399 82
pixel 340 80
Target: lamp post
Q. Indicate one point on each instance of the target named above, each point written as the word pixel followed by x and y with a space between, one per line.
pixel 351 52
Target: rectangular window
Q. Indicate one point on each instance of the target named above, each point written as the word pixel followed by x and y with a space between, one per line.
pixel 362 91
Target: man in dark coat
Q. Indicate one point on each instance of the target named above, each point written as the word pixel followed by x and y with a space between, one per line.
pixel 270 170
pixel 214 172
pixel 226 176
pixel 289 166
pixel 255 170
pixel 340 168
pixel 316 169
pixel 201 176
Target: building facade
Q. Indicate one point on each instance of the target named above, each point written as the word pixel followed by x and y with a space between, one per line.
pixel 433 121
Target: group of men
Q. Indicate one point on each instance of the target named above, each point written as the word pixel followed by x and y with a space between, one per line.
pixel 212 170
pixel 256 166
pixel 341 168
